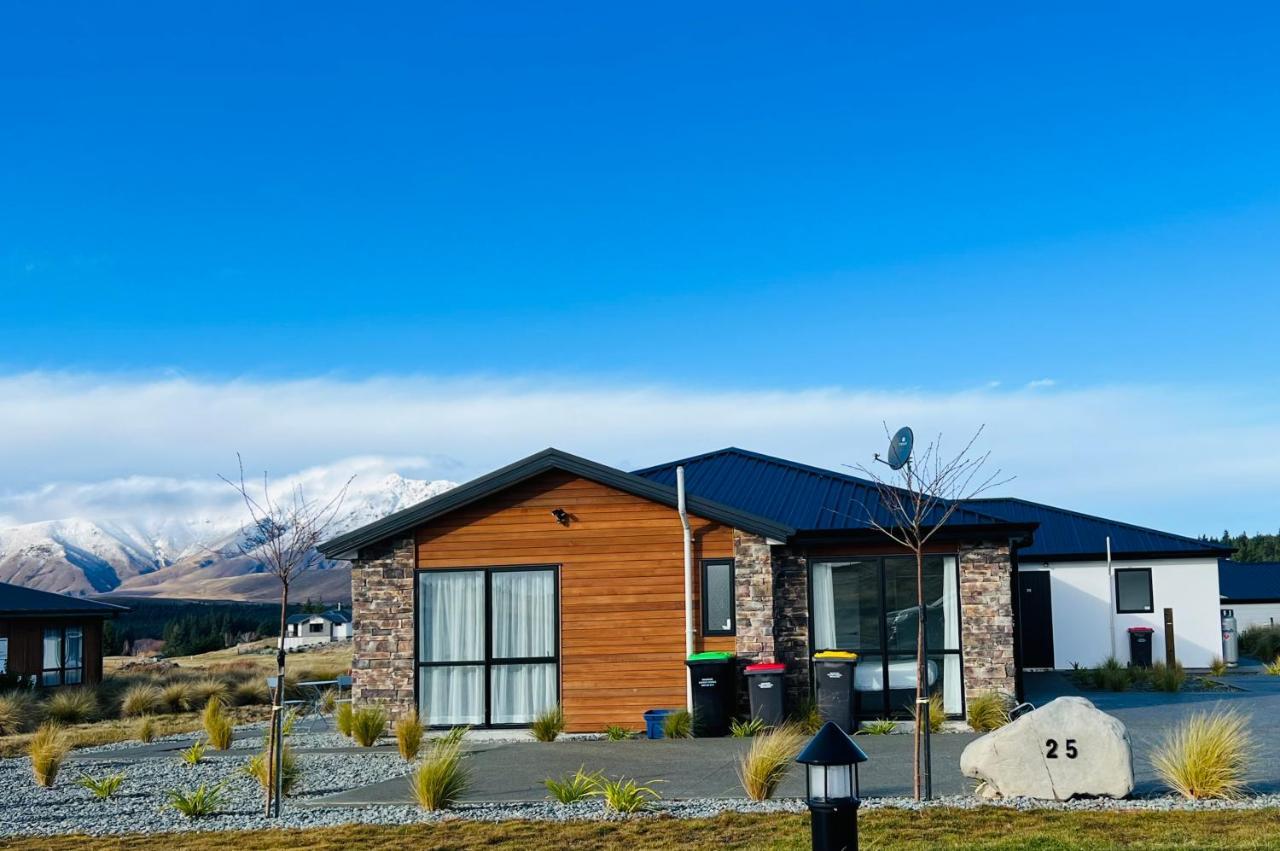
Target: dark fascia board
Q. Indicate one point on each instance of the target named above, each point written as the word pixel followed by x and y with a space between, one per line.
pixel 1033 558
pixel 28 614
pixel 527 468
pixel 959 532
pixel 1245 601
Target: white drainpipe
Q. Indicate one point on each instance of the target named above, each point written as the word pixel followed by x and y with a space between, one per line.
pixel 1111 598
pixel 688 583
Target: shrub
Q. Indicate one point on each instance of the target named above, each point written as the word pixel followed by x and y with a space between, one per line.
pixel 102 787
pixel 456 734
pixel 626 796
pixel 210 688
pixel 141 699
pixel 937 713
pixel 177 696
pixel 879 727
pixel 17 711
pixel 368 724
pixel 342 718
pixel 678 725
pixel 1217 667
pixel 72 705
pixel 290 771
pixel 575 787
pixel 146 729
pixel 988 712
pixel 1273 667
pixel 217 726
pixel 204 800
pixel 250 693
pixel 1261 642
pixel 1165 678
pixel 1206 756
pixel 548 725
pixel 440 779
pixel 762 768
pixel 746 729
pixel 409 735
pixel 194 755
pixel 329 701
pixel 808 716
pixel 1112 675
pixel 617 733
pixel 47 748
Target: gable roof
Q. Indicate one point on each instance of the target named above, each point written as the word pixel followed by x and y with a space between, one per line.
pixel 1241 582
pixel 331 616
pixel 803 497
pixel 535 465
pixel 1071 535
pixel 16 600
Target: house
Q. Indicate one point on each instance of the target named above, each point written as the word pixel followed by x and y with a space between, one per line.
pixel 1251 591
pixel 559 579
pixel 305 630
pixel 51 639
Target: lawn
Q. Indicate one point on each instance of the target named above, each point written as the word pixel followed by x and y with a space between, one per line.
pixel 989 827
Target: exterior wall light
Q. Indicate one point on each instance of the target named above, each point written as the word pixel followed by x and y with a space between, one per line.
pixel 562 516
pixel 831 783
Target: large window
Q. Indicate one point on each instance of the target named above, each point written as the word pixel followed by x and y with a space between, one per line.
pixel 717 597
pixel 487 645
pixel 63 656
pixel 868 605
pixel 1133 591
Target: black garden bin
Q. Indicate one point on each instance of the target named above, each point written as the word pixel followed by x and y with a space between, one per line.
pixel 712 676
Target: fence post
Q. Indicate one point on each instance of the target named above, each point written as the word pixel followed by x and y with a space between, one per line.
pixel 1170 658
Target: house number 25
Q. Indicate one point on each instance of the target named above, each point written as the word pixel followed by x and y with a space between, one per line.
pixel 1069 748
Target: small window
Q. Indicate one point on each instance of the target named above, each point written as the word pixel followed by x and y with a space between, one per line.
pixel 1133 591
pixel 317 627
pixel 717 597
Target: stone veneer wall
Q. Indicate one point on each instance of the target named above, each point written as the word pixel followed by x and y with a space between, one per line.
pixel 986 619
pixel 753 597
pixel 772 610
pixel 791 621
pixel 382 609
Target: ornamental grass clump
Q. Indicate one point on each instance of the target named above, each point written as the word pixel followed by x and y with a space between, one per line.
pixel 342 718
pixel 204 800
pixel 625 795
pixel 988 711
pixel 746 729
pixel 1273 667
pixel 72 705
pixel 368 724
pixel 762 768
pixel 409 735
pixel 145 730
pixel 576 787
pixel 193 755
pixel 678 725
pixel 210 688
pixel 1112 675
pixel 440 779
pixel 290 771
pixel 47 748
pixel 937 713
pixel 250 693
pixel 617 733
pixel 141 699
pixel 1261 642
pixel 103 787
pixel 1217 667
pixel 1206 756
pixel 879 727
pixel 217 725
pixel 177 696
pixel 17 712
pixel 808 716
pixel 548 725
pixel 1167 678
pixel 456 734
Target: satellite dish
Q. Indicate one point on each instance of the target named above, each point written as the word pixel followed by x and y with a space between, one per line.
pixel 900 448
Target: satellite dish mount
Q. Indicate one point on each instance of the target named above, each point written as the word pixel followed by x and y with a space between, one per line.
pixel 900 445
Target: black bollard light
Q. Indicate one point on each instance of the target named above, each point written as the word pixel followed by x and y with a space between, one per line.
pixel 831 783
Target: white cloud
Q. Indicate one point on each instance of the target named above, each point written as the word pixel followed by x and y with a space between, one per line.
pixel 1040 382
pixel 86 444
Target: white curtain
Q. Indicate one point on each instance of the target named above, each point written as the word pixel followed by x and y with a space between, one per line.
pixel 952 697
pixel 824 608
pixel 452 694
pixel 521 691
pixel 52 657
pixel 75 654
pixel 451 629
pixel 524 627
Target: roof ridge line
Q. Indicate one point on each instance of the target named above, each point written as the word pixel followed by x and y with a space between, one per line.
pixel 1096 517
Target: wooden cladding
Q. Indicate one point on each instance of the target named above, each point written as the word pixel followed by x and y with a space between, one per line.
pixel 621 561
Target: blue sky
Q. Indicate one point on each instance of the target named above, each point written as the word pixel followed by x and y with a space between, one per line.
pixel 705 197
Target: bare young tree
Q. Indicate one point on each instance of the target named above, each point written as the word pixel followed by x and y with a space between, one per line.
pixel 916 502
pixel 282 534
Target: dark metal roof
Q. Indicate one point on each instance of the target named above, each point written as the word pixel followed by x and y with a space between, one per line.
pixel 1242 582
pixel 1066 534
pixel 331 617
pixel 806 498
pixel 535 465
pixel 16 600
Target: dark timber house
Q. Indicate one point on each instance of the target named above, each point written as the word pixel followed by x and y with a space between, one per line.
pixel 51 640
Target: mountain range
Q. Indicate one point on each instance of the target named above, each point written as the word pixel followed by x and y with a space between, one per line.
pixel 194 558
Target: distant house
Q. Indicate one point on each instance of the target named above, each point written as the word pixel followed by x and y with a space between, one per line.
pixel 49 639
pixel 304 630
pixel 1252 591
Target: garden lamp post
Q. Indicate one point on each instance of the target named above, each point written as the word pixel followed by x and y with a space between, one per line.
pixel 831 783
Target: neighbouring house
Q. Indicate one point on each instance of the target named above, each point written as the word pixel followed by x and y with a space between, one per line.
pixel 306 630
pixel 558 579
pixel 50 639
pixel 1251 591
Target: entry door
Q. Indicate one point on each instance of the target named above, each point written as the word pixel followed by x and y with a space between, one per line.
pixel 1035 619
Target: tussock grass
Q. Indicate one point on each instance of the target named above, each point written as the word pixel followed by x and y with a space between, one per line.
pixel 1206 756
pixel 142 699
pixel 17 712
pixel 342 718
pixel 625 795
pixel 210 688
pixel 409 736
pixel 290 772
pixel 178 696
pixel 440 779
pixel 746 729
pixel 368 724
pixel 250 693
pixel 72 705
pixel 46 750
pixel 1261 642
pixel 1273 667
pixel 678 725
pixel 1217 667
pixel 989 711
pixel 456 734
pixel 548 725
pixel 146 729
pixel 200 802
pixel 217 725
pixel 1165 678
pixel 576 787
pixel 937 713
pixel 762 768
pixel 808 716
pixel 101 787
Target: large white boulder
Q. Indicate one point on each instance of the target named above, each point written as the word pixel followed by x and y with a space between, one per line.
pixel 1065 749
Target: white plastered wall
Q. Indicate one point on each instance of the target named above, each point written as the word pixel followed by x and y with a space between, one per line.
pixel 1081 596
pixel 1254 614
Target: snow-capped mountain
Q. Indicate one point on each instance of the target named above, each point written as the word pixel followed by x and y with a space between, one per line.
pixel 183 557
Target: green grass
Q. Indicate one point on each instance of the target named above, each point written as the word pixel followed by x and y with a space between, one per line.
pixel 202 801
pixel 193 755
pixel 368 724
pixel 456 734
pixel 618 733
pixel 625 795
pixel 101 787
pixel 982 829
pixel 879 727
pixel 576 787
pixel 746 729
pixel 548 726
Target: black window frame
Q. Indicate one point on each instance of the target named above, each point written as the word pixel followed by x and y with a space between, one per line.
pixel 62 670
pixel 703 598
pixel 1151 592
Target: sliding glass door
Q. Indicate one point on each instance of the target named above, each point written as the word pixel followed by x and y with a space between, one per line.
pixel 868 605
pixel 487 645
